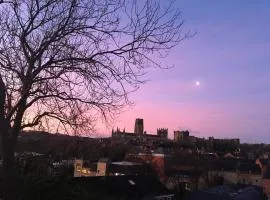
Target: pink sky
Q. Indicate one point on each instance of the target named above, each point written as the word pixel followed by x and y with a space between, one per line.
pixel 230 56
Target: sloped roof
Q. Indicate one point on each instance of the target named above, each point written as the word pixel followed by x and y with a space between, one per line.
pixel 130 187
pixel 138 169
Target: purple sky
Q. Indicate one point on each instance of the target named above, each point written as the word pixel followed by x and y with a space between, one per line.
pixel 230 56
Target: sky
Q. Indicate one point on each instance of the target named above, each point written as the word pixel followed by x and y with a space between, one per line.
pixel 230 57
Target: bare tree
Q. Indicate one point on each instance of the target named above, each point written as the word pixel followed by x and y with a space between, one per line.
pixel 65 63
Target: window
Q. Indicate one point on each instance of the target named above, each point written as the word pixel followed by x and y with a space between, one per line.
pixel 187 187
pixel 131 182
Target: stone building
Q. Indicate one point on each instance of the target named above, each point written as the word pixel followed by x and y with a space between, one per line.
pixel 140 136
pixel 180 135
pixel 162 132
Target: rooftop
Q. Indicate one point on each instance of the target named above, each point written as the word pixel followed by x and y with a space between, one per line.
pixel 225 192
pixel 130 187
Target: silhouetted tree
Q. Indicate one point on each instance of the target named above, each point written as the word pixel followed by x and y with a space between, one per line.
pixel 63 63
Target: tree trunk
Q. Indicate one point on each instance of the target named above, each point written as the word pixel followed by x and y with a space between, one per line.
pixel 9 139
pixel 9 173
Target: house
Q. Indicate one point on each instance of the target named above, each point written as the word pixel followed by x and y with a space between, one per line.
pixel 153 159
pixel 127 187
pixel 237 171
pixel 249 173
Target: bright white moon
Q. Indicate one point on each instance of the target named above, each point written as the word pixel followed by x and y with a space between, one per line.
pixel 198 83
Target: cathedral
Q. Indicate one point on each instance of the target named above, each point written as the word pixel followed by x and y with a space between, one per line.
pixel 140 135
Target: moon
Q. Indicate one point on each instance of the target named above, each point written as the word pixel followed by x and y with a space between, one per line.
pixel 198 83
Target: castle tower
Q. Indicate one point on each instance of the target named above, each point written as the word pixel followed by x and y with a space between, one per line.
pixel 162 132
pixel 138 126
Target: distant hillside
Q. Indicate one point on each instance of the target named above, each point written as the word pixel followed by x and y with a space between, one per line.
pixel 65 146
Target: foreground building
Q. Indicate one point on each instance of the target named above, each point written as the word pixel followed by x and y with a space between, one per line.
pixel 104 167
pixel 127 187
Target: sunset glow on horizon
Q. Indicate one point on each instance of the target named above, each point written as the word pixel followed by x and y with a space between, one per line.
pixel 230 55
